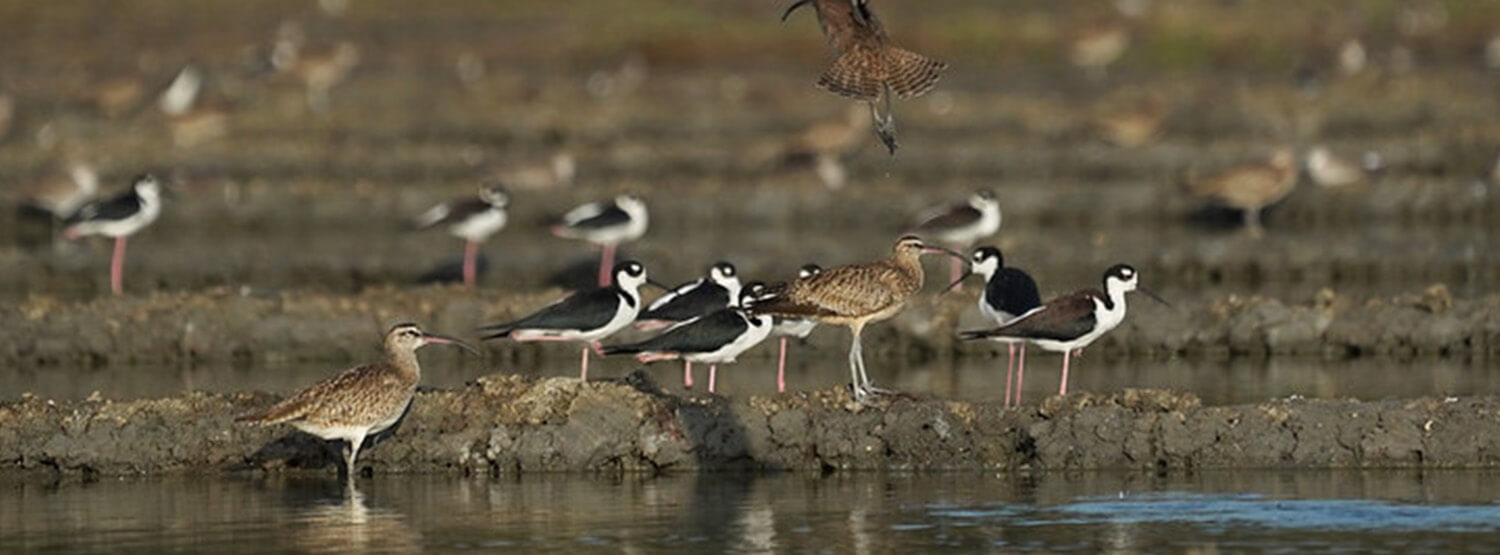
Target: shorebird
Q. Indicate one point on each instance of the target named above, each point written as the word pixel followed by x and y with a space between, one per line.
pixel 716 338
pixel 1071 322
pixel 361 401
pixel 558 171
pixel 473 219
pixel 1329 170
pixel 867 66
pixel 62 193
pixel 606 224
pixel 119 217
pixel 586 316
pixel 961 224
pixel 1132 126
pixel 191 120
pixel 825 142
pixel 319 72
pixel 855 296
pixel 1009 292
pixel 1098 45
pixel 1250 187
pixel 719 289
pixel 792 327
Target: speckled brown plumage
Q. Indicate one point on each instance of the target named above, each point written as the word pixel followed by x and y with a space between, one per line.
pixel 867 62
pixel 361 396
pixel 1250 187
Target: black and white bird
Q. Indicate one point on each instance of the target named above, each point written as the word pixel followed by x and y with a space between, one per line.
pixel 719 289
pixel 961 224
pixel 717 338
pixel 473 219
pixel 606 224
pixel 585 316
pixel 1073 321
pixel 1009 292
pixel 119 217
pixel 792 327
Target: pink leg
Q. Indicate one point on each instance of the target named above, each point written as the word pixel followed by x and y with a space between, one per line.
pixel 583 373
pixel 606 265
pixel 781 368
pixel 1010 371
pixel 598 347
pixel 117 267
pixel 1063 389
pixel 713 372
pixel 1020 373
pixel 471 264
pixel 687 374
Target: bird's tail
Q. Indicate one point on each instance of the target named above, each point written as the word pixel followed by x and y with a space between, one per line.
pixel 623 349
pixel 275 414
pixel 496 331
pixel 974 334
pixel 864 73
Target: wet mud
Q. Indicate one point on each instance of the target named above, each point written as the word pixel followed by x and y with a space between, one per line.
pixel 243 326
pixel 504 424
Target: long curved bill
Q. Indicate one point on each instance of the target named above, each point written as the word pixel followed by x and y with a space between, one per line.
pixel 1154 296
pixel 957 282
pixel 793 8
pixel 933 249
pixel 445 340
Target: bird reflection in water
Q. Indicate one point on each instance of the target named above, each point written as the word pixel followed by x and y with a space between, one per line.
pixel 344 523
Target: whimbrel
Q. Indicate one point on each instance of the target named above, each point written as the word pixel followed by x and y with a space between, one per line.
pixel 606 224
pixel 792 327
pixel 1250 187
pixel 716 338
pixel 361 401
pixel 473 219
pixel 867 66
pixel 119 217
pixel 1009 292
pixel 586 316
pixel 1073 321
pixel 719 289
pixel 959 225
pixel 854 296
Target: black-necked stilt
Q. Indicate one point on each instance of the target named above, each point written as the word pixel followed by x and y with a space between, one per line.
pixel 715 338
pixel 1071 322
pixel 1008 293
pixel 472 219
pixel 719 289
pixel 792 327
pixel 606 224
pixel 1249 187
pixel 961 224
pixel 854 296
pixel 361 401
pixel 586 316
pixel 118 217
pixel 868 66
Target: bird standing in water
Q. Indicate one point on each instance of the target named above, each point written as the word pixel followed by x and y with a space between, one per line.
pixel 867 66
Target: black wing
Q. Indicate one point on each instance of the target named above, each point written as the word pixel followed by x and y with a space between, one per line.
pixel 585 310
pixel 610 216
pixel 457 211
pixel 706 334
pixel 1061 319
pixel 954 217
pixel 697 301
pixel 118 207
pixel 1015 291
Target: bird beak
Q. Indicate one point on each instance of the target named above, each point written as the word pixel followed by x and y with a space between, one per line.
pixel 793 8
pixel 930 249
pixel 959 281
pixel 1154 296
pixel 658 284
pixel 445 340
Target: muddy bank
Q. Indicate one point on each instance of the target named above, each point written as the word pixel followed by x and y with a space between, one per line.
pixel 243 326
pixel 502 424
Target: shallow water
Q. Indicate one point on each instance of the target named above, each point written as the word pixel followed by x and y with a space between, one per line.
pixel 1347 511
pixel 975 379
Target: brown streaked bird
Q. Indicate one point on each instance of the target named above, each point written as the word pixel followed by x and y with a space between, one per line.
pixel 867 66
pixel 1132 126
pixel 192 119
pixel 855 296
pixel 62 193
pixel 825 142
pixel 1250 187
pixel 320 72
pixel 361 401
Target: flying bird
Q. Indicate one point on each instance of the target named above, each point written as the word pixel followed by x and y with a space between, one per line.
pixel 867 66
